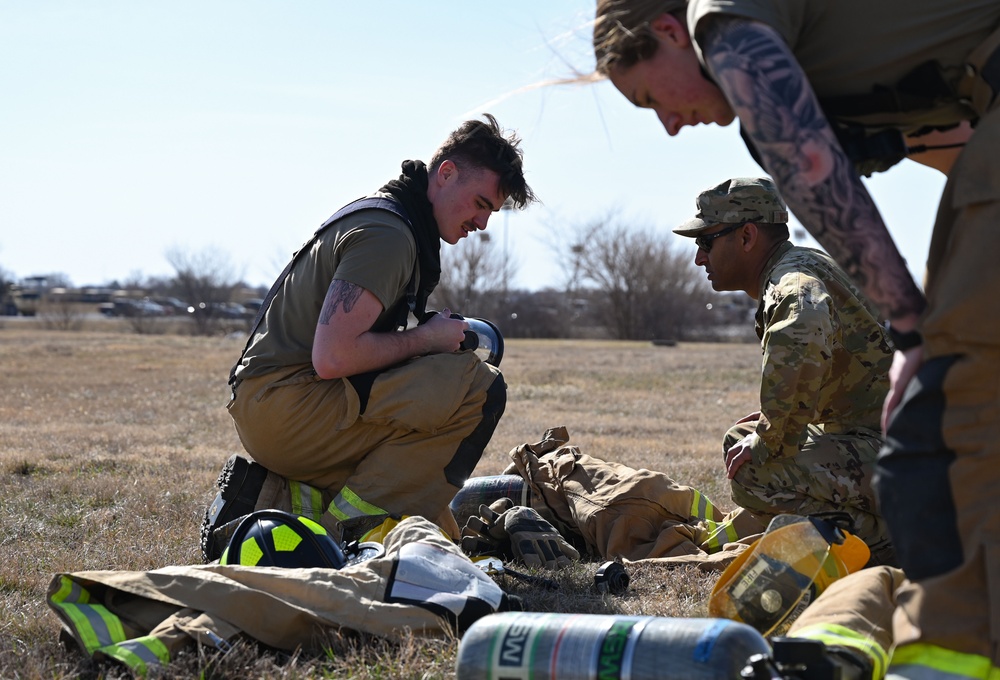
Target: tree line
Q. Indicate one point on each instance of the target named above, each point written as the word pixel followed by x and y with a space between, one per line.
pixel 619 280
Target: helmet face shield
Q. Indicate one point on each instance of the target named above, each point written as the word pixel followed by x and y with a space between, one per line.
pixel 772 582
pixel 484 338
pixel 771 593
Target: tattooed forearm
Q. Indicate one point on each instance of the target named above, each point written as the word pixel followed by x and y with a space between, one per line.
pixel 779 111
pixel 339 293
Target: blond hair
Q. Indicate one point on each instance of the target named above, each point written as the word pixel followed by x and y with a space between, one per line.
pixel 622 36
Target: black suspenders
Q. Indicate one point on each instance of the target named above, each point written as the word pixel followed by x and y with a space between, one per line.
pixel 376 202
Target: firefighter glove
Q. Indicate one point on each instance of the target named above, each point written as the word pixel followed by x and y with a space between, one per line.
pixel 516 533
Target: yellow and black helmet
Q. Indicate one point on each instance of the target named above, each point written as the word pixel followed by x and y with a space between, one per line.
pixel 272 538
pixel 768 585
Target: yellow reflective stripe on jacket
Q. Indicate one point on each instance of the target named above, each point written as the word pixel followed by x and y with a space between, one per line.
pixel 833 635
pixel 701 507
pixel 920 660
pixel 307 501
pixel 93 624
pixel 348 505
pixel 139 654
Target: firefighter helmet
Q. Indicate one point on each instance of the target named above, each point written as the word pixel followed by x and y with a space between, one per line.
pixel 272 538
pixel 773 581
pixel 481 337
pixel 485 339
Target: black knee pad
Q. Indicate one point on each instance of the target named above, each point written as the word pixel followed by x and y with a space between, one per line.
pixel 470 450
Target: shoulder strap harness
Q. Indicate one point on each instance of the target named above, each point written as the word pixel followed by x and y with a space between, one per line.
pixel 412 304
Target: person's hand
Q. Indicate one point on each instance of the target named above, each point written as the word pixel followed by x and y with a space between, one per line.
pixel 749 418
pixel 904 367
pixel 740 453
pixel 443 333
pixel 516 532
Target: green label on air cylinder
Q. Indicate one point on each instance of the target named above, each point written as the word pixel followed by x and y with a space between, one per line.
pixel 534 645
pixel 512 652
pixel 611 656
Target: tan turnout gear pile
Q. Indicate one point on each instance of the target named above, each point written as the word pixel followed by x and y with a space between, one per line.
pixel 422 586
pixel 618 511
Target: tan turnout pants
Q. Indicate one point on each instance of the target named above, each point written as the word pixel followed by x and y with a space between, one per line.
pixel 939 474
pixel 400 441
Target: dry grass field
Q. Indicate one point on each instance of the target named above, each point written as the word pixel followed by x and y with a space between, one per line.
pixel 110 444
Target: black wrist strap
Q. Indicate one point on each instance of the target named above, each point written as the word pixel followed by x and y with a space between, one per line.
pixel 904 341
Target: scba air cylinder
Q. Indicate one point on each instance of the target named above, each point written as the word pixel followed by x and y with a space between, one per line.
pixel 538 646
pixel 483 491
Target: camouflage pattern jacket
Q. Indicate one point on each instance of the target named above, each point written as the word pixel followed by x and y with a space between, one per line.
pixel 826 357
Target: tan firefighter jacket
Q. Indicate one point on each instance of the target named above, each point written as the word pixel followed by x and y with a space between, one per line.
pixel 622 512
pixel 423 585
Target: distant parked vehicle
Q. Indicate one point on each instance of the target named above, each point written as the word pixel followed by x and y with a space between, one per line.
pixel 131 307
pixel 222 310
pixel 172 305
pixel 27 296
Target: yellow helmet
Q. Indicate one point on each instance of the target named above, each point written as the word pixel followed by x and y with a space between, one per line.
pixel 795 560
pixel 377 534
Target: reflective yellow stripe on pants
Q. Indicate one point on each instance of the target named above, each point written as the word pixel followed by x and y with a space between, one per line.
pixel 307 501
pixel 930 662
pixel 702 508
pixel 719 532
pixel 348 505
pixel 839 636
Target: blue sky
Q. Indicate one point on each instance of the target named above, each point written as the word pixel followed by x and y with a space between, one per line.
pixel 129 129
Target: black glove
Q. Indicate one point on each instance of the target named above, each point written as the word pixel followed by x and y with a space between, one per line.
pixel 516 533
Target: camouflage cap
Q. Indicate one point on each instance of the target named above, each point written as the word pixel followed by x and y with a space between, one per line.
pixel 742 199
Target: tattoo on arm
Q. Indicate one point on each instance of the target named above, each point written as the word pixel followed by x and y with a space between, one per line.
pixel 339 293
pixel 779 111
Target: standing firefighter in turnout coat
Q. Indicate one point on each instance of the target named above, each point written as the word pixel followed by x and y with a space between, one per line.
pixel 351 416
pixel 811 447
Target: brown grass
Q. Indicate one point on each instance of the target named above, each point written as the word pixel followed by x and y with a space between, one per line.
pixel 110 444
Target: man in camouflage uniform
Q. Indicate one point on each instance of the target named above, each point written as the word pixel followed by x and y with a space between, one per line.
pixel 811 447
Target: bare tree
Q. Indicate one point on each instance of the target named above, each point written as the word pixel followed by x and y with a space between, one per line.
pixel 642 288
pixel 62 314
pixel 474 279
pixel 6 303
pixel 207 280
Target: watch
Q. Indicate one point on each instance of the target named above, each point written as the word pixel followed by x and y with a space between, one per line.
pixel 904 341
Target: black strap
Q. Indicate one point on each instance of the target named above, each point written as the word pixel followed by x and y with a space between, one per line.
pixel 990 71
pixel 922 88
pixel 369 202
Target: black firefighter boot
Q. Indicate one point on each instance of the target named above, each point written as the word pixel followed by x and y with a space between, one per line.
pixel 239 486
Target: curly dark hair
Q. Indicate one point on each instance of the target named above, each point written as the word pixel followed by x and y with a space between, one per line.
pixel 485 145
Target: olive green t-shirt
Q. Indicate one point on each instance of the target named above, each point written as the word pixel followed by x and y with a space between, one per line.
pixel 849 46
pixel 371 248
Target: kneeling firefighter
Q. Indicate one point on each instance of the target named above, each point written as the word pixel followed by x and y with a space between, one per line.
pixel 245 485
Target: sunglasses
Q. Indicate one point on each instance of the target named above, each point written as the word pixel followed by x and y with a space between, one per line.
pixel 705 240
